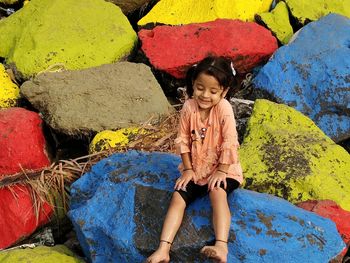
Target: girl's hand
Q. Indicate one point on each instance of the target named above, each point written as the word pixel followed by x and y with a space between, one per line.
pixel 184 179
pixel 216 179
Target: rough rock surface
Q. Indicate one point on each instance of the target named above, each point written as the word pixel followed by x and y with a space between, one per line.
pixel 117 210
pixel 278 22
pixel 18 216
pixel 331 210
pixel 179 12
pixel 70 34
pixel 311 10
pixel 284 153
pixel 22 142
pixel 129 6
pixel 9 91
pixel 246 43
pixel 92 100
pixel 312 74
pixel 41 254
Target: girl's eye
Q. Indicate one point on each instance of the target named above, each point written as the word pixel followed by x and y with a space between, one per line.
pixel 214 92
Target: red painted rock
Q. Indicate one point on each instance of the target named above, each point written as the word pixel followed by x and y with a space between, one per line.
pixel 331 210
pixel 22 142
pixel 174 48
pixel 17 215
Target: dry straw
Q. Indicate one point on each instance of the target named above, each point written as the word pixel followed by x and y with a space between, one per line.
pixel 53 182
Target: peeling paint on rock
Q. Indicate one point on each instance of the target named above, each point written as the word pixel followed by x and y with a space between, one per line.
pixel 284 153
pixel 131 192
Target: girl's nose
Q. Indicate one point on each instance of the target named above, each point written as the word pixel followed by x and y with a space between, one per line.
pixel 206 93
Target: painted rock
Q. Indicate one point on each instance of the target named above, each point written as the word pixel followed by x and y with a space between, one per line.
pixel 70 34
pixel 113 96
pixel 9 91
pixel 18 217
pixel 278 22
pixel 284 153
pixel 40 254
pixel 331 210
pixel 131 193
pixel 22 142
pixel 311 10
pixel 247 44
pixel 180 12
pixel 112 139
pixel 312 74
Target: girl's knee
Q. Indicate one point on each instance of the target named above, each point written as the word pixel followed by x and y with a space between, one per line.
pixel 178 200
pixel 217 193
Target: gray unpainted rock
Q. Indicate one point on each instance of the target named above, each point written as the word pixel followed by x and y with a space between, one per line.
pixel 111 96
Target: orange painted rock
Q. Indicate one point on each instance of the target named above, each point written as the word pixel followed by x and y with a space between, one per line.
pixel 174 48
pixel 22 142
pixel 17 215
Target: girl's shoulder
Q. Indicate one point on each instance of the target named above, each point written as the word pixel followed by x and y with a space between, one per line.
pixel 224 106
pixel 189 104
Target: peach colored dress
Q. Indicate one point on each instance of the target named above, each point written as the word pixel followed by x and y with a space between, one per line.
pixel 210 142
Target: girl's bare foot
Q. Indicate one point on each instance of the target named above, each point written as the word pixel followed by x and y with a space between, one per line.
pixel 218 252
pixel 161 255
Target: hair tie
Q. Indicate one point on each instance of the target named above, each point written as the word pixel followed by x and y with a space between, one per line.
pixel 233 69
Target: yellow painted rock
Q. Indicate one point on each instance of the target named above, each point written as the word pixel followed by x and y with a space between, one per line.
pixel 312 10
pixel 73 34
pixel 9 2
pixel 284 153
pixel 177 12
pixel 40 254
pixel 9 92
pixel 112 139
pixel 278 22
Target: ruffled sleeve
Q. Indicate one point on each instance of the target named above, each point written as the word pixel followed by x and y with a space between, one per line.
pixel 230 145
pixel 182 142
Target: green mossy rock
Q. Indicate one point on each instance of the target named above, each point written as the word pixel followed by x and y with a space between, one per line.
pixel 278 22
pixel 312 10
pixel 284 153
pixel 73 34
pixel 41 254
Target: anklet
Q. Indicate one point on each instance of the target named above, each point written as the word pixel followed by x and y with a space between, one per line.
pixel 170 243
pixel 218 240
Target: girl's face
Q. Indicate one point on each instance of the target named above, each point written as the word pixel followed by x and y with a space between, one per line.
pixel 207 91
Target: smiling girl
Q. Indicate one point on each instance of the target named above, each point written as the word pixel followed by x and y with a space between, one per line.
pixel 207 142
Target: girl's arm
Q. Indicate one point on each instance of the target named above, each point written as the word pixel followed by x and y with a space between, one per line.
pixel 230 145
pixel 186 160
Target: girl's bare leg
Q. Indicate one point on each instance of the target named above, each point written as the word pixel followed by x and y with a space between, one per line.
pixel 171 225
pixel 221 224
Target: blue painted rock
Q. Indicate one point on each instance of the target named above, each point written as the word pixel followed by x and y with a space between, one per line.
pixel 117 210
pixel 312 74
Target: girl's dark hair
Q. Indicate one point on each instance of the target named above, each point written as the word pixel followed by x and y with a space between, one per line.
pixel 218 67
